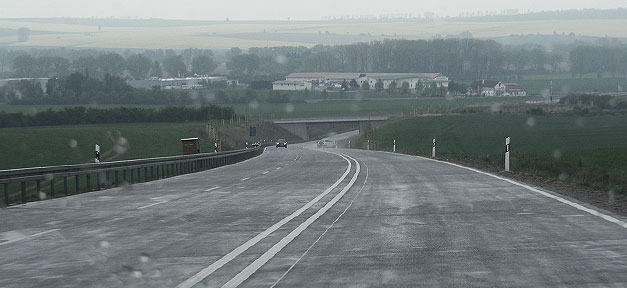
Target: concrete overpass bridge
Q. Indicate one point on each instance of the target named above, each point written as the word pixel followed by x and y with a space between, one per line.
pixel 305 127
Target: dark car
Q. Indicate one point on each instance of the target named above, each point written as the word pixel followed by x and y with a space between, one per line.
pixel 281 143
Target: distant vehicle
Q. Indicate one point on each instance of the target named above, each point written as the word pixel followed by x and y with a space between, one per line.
pixel 326 143
pixel 320 143
pixel 281 143
pixel 256 144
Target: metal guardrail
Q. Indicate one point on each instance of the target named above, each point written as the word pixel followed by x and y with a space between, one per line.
pixel 25 185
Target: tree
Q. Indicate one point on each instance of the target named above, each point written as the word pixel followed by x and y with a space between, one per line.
pixel 138 66
pixel 155 70
pixel 175 66
pixel 405 87
pixel 378 85
pixel 111 63
pixel 25 66
pixel 203 65
pixel 392 86
pixel 244 64
pixel 23 34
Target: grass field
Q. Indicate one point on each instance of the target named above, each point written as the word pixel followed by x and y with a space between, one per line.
pixel 56 145
pixel 587 150
pixel 224 35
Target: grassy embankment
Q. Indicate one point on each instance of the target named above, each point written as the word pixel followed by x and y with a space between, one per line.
pixel 58 145
pixel 589 151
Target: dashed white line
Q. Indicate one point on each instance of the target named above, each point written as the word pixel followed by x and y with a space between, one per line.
pixel 278 168
pixel 211 189
pixel 30 236
pixel 150 205
pixel 204 273
pixel 245 179
pixel 263 259
pixel 265 172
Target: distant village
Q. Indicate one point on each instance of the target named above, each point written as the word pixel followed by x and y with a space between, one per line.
pixel 319 81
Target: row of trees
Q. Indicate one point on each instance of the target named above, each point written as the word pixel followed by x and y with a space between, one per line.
pixel 457 58
pixel 135 66
pixel 80 89
pixel 82 115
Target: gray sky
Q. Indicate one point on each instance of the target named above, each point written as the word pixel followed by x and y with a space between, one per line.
pixel 275 9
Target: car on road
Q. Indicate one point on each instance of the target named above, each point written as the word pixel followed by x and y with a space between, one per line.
pixel 326 143
pixel 281 143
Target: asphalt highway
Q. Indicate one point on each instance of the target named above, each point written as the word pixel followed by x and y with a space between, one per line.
pixel 309 217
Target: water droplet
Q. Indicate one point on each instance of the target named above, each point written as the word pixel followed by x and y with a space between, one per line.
pixel 253 105
pixel 557 154
pixel 496 107
pixel 137 274
pixel 563 176
pixel 73 144
pixel 42 195
pixel 144 258
pixel 48 177
pixel 531 121
pixel 281 59
pixel 104 244
pixel 611 197
pixel 289 108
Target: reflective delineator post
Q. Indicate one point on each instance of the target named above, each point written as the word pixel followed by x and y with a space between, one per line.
pixel 97 157
pixel 394 147
pixel 349 144
pixel 433 151
pixel 507 154
pixel 215 147
pixel 368 144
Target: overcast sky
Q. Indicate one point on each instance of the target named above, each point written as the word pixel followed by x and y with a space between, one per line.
pixel 275 9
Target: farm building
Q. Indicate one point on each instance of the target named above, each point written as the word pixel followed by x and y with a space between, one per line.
pixel 342 81
pixel 175 83
pixel 490 88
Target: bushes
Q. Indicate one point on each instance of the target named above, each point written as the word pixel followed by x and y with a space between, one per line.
pixel 82 115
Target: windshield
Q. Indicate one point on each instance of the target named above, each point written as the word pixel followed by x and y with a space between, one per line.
pixel 313 144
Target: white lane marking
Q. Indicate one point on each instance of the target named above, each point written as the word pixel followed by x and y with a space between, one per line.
pixel 244 179
pixel 204 273
pixel 325 231
pixel 576 215
pixel 263 259
pixel 211 189
pixel 30 236
pixel 525 213
pixel 543 193
pixel 150 205
pixel 265 172
pixel 278 168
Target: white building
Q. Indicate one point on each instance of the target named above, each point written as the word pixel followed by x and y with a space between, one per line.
pixel 175 83
pixel 329 80
pixel 292 85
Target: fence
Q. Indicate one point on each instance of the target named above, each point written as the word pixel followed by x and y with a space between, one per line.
pixel 34 184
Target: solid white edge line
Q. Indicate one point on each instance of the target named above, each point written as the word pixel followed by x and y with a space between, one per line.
pixel 325 231
pixel 150 205
pixel 263 259
pixel 30 236
pixel 204 273
pixel 543 193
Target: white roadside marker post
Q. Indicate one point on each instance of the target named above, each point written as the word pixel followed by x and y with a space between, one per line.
pixel 394 148
pixel 507 154
pixel 433 151
pixel 368 144
pixel 349 144
pixel 215 147
pixel 97 157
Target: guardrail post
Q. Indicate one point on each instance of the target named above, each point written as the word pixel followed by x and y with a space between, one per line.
pixel 132 176
pixel 98 180
pixel 145 174
pixel 108 179
pixel 65 185
pixel 117 183
pixel 76 179
pixel 23 191
pixel 152 172
pixel 88 182
pixel 6 194
pixel 139 172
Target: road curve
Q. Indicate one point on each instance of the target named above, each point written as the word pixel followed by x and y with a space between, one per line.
pixel 314 217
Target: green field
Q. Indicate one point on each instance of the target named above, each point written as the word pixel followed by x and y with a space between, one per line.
pixel 224 35
pixel 57 145
pixel 587 150
pixel 371 107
